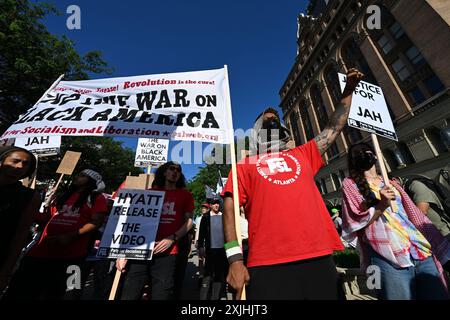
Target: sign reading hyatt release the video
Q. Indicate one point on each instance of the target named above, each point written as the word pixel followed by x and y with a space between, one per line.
pixel 132 225
pixel 369 111
pixel 188 106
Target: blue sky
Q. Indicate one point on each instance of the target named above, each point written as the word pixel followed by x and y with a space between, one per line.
pixel 256 39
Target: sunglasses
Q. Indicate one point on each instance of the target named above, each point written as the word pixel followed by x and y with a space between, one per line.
pixel 175 168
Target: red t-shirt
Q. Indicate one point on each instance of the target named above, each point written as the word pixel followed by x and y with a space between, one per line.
pixel 68 220
pixel 288 220
pixel 176 204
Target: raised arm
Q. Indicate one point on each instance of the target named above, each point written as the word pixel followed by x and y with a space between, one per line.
pixel 339 118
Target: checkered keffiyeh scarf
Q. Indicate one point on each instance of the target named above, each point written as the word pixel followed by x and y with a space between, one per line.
pixel 355 218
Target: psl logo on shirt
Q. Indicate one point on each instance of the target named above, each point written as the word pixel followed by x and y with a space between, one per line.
pixel 279 169
pixel 168 208
pixel 278 165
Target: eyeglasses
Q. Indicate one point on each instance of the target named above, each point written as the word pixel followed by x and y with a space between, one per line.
pixel 175 168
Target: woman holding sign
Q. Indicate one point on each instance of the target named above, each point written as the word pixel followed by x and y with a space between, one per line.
pixel 175 223
pixel 403 248
pixel 54 264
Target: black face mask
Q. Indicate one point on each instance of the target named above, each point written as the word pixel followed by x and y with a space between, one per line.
pixel 269 125
pixel 365 160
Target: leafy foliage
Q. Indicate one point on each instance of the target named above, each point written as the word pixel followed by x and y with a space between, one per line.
pixel 209 174
pixel 31 58
pixel 349 258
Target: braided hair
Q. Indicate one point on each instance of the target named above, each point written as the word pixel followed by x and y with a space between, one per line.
pixel 357 174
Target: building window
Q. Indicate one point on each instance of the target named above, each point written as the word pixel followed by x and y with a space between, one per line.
pixel 415 56
pixel 333 151
pixel 396 30
pixel 434 85
pixel 341 176
pixel 353 57
pixel 402 155
pixel 295 123
pixel 352 135
pixel 400 69
pixel 323 186
pixel 332 82
pixel 336 181
pixel 411 69
pixel 306 121
pixel 319 106
pixel 385 44
pixel 416 95
pixel 434 135
pixel 445 137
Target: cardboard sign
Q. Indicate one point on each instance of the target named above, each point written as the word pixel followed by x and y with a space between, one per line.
pixel 132 225
pixel 69 162
pixel 142 182
pixel 42 146
pixel 150 152
pixel 369 111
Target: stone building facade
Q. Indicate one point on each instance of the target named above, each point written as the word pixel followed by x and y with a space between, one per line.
pixel 408 56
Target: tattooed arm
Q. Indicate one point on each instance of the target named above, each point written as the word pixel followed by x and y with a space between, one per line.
pixel 339 118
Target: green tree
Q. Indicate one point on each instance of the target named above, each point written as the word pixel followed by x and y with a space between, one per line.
pixel 31 58
pixel 105 155
pixel 209 174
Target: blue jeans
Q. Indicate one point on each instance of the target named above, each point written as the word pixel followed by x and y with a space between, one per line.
pixel 420 281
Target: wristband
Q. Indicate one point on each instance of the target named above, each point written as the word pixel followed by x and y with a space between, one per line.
pixel 234 254
pixel 231 244
pixel 236 257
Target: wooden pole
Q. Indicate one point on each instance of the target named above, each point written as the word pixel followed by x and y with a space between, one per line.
pixel 33 184
pixel 59 181
pixel 379 155
pixel 237 216
pixel 112 294
pixel 150 177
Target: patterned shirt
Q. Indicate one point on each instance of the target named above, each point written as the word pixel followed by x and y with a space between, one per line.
pixel 404 236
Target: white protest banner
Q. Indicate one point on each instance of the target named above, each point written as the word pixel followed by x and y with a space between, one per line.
pixel 132 225
pixel 151 151
pixel 369 111
pixel 43 146
pixel 180 106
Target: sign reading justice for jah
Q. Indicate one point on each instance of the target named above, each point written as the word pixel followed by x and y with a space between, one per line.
pixel 369 111
pixel 132 225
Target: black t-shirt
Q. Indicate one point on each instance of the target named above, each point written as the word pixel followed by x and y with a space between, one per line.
pixel 13 199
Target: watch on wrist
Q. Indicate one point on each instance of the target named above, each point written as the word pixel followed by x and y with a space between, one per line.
pixel 175 237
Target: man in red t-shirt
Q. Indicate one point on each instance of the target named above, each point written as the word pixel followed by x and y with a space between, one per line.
pixel 291 236
pixel 175 222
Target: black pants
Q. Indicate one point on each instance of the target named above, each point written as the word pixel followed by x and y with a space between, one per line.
pixel 160 271
pixel 39 278
pixel 312 279
pixel 216 269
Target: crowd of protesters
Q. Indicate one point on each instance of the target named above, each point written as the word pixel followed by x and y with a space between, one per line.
pixel 288 237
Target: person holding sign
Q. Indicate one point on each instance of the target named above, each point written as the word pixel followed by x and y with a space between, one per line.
pixel 75 215
pixel 175 223
pixel 393 233
pixel 19 206
pixel 290 234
